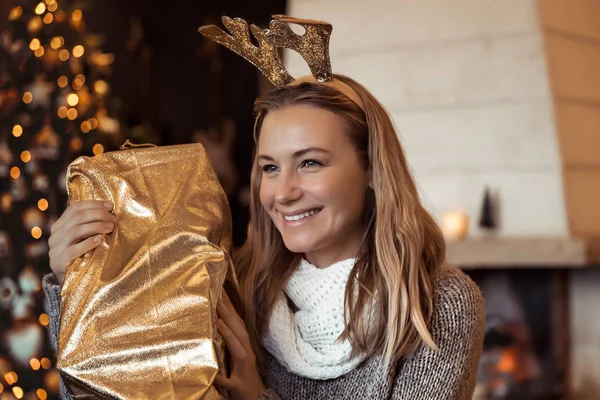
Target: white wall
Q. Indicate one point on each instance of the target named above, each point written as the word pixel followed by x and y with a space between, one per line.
pixel 466 83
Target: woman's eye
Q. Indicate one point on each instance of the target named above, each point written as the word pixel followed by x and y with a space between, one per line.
pixel 311 164
pixel 269 168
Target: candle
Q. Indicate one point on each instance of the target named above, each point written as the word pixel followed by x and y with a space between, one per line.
pixel 455 225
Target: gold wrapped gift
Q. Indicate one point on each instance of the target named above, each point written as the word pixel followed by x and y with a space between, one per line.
pixel 138 317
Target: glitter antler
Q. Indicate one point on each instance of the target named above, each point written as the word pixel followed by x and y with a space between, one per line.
pixel 264 56
pixel 313 46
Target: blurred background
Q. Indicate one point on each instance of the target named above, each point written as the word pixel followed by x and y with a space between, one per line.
pixel 496 102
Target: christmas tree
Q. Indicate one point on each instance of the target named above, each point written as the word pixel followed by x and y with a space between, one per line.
pixel 53 108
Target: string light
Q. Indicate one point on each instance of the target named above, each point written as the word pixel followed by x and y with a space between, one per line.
pixel 98 149
pixel 72 114
pixel 36 232
pixel 27 97
pixel 93 123
pixel 15 13
pixel 18 392
pixel 48 18
pixel 78 51
pixel 62 112
pixel 41 394
pixel 40 9
pixel 44 320
pixel 72 99
pixel 35 44
pixel 17 130
pixel 42 205
pixel 5 202
pixel 101 87
pixel 15 172
pixel 11 378
pixel 52 6
pixel 77 15
pixel 35 24
pixel 46 364
pixel 76 144
pixel 63 81
pixel 26 156
pixel 35 364
pixel 63 55
pixel 39 52
pixel 57 42
pixel 85 127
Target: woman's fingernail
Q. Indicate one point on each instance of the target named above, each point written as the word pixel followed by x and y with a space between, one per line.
pixel 97 239
pixel 108 205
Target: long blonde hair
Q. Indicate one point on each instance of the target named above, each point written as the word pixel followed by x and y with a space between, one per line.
pixel 393 279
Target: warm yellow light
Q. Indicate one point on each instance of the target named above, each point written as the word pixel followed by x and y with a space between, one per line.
pixel 78 51
pixel 46 363
pixel 5 203
pixel 77 15
pixel 27 97
pixel 101 87
pixel 39 10
pixel 52 6
pixel 76 144
pixel 17 130
pixel 26 156
pixel 63 81
pixel 93 123
pixel 63 55
pixel 72 114
pixel 44 320
pixel 48 18
pixel 11 378
pixel 34 44
pixel 85 127
pixel 39 52
pixel 15 172
pixel 36 232
pixel 41 394
pixel 57 42
pixel 35 364
pixel 98 149
pixel 35 24
pixel 72 99
pixel 18 392
pixel 15 13
pixel 78 82
pixel 42 204
pixel 62 112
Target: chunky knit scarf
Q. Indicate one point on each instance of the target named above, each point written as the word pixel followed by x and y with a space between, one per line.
pixel 306 342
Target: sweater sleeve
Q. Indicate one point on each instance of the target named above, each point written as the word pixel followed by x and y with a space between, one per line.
pixel 52 305
pixel 450 372
pixel 269 394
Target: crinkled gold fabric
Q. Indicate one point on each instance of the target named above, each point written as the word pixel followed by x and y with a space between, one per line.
pixel 138 312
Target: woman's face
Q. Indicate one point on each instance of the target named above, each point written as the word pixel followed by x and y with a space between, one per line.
pixel 313 183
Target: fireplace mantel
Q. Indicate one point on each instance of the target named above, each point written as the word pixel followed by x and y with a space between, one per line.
pixel 518 252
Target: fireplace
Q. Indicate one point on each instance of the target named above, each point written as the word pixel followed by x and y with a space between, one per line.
pixel 525 285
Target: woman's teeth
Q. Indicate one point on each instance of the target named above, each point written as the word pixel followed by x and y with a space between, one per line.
pixel 301 216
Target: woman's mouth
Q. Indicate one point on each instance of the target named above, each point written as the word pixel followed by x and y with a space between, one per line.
pixel 303 215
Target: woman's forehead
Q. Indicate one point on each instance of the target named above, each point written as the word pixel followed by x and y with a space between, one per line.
pixel 299 126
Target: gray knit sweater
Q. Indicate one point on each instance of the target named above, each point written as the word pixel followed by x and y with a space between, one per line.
pixel 449 373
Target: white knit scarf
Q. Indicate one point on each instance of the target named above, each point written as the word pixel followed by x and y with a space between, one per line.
pixel 306 342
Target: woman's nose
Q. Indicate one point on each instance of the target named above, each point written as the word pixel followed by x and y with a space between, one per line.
pixel 287 189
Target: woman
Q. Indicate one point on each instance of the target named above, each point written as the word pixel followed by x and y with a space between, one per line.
pixel 335 220
pixel 345 290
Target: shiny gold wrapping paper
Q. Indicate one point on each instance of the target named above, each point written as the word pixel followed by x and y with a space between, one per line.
pixel 138 312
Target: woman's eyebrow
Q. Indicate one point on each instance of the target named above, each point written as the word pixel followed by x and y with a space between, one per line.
pixel 297 154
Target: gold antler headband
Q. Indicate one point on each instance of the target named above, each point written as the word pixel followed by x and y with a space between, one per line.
pixel 313 46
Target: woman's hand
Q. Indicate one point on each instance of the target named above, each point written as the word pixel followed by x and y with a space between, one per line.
pixel 76 232
pixel 244 382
